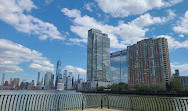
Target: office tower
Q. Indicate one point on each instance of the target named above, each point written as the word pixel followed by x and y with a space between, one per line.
pixel 60 78
pixel 6 83
pixel 58 71
pixel 149 62
pixel 98 56
pixel 48 80
pixel 11 82
pixel 64 77
pixel 38 79
pixel 31 85
pixel 70 74
pixel 78 78
pixel 16 83
pixel 60 84
pixel 176 73
pixel 118 68
pixel 3 79
pixel 40 85
pixel 23 84
pixel 69 82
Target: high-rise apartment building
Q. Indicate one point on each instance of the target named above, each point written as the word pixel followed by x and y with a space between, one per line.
pixel 3 79
pixel 119 71
pixel 98 56
pixel 148 62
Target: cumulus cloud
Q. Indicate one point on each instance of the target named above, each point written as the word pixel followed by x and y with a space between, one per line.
pixel 12 55
pixel 181 67
pixel 13 13
pixel 174 44
pixel 181 35
pixel 89 6
pixel 182 27
pixel 75 70
pixel 121 35
pixel 125 8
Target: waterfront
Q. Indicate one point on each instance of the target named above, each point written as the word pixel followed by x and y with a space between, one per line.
pixel 22 100
pixel 36 92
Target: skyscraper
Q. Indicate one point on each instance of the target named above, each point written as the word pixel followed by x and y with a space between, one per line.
pixel 3 79
pixel 149 62
pixel 48 80
pixel 98 56
pixel 65 77
pixel 58 71
pixel 38 79
pixel 119 71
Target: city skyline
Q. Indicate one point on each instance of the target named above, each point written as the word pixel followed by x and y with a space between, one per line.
pixel 27 49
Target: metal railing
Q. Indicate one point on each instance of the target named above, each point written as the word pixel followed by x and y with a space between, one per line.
pixel 61 102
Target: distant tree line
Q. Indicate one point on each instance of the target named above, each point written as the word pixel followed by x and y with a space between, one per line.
pixel 174 86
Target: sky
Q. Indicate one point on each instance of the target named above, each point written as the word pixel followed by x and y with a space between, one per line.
pixel 34 34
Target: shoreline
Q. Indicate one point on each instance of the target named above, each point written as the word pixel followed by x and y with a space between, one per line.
pixel 140 93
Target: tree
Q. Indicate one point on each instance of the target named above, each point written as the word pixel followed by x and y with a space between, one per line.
pixel 101 88
pixel 176 85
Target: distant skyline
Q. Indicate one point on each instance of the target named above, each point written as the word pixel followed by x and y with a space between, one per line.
pixel 35 34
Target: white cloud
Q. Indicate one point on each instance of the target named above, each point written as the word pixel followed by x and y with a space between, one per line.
pixel 12 55
pixel 181 67
pixel 121 35
pixel 174 44
pixel 75 70
pixel 72 13
pixel 125 8
pixel 49 1
pixel 181 35
pixel 89 6
pixel 182 27
pixel 13 13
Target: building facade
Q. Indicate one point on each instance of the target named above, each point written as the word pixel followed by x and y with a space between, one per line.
pixel 98 56
pixel 119 71
pixel 38 78
pixel 148 62
pixel 182 79
pixel 58 71
pixel 65 77
pixel 3 79
pixel 48 80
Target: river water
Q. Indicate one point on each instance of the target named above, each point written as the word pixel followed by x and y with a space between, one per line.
pixel 37 92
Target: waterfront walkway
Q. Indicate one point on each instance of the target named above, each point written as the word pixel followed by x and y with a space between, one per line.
pixel 98 109
pixel 90 102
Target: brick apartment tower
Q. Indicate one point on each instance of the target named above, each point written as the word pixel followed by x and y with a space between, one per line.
pixel 149 62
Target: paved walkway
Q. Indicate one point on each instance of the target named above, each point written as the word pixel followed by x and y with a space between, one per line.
pixel 97 109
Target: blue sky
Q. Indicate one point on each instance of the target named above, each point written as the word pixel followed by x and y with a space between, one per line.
pixel 34 34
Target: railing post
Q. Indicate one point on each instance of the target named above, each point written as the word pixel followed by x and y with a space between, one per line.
pixel 101 102
pixel 108 101
pixel 82 103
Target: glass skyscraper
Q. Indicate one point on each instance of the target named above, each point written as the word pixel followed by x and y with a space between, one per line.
pixel 65 77
pixel 48 79
pixel 3 79
pixel 98 56
pixel 58 71
pixel 119 71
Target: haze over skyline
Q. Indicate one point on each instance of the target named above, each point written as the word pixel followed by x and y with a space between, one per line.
pixel 36 34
